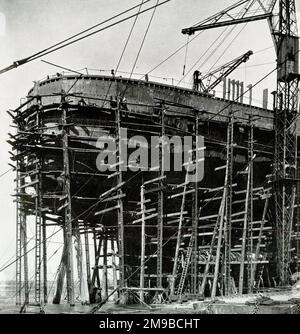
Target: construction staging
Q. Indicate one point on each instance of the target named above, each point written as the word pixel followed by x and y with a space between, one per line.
pixel 148 234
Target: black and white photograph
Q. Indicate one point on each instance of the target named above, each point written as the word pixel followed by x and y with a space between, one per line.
pixel 149 160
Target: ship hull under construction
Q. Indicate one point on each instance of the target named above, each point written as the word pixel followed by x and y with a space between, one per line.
pixel 160 237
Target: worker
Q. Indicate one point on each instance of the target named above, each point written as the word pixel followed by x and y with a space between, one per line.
pixel 113 102
pixel 81 102
pixel 123 103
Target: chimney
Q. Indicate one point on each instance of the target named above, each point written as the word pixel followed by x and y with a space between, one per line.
pixel 265 98
pixel 242 92
pixel 250 94
pixel 237 83
pixel 274 93
pixel 229 89
pixel 233 82
pixel 224 88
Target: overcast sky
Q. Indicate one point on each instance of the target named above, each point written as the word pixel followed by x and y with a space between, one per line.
pixel 27 26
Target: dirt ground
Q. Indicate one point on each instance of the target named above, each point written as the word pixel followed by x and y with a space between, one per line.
pixel 190 307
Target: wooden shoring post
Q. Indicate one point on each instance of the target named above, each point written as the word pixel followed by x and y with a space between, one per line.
pixel 220 223
pixel 82 277
pixel 227 229
pixel 160 208
pixel 217 235
pixel 97 250
pixel 114 265
pixel 250 205
pixel 143 239
pixel 247 226
pixel 120 201
pixel 68 209
pixel 104 269
pixel 195 211
pixel 61 274
pixel 87 255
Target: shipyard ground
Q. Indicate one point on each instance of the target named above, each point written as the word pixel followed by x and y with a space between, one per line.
pixel 272 302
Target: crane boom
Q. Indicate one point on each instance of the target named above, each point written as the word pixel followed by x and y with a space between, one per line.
pixel 228 16
pixel 214 77
pixel 206 26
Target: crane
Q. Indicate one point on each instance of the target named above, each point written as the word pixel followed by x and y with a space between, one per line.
pixel 281 16
pixel 209 81
pixel 229 16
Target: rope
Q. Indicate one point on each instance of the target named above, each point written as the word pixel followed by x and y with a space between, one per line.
pixel 124 49
pixel 53 48
pixel 207 50
pixel 140 49
pixel 6 172
pixel 84 31
pixel 144 38
pixel 173 53
pixel 185 56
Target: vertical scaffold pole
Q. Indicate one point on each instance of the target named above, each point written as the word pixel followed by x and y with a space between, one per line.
pixel 195 211
pixel 68 209
pixel 160 222
pixel 114 266
pixel 250 205
pixel 120 201
pixel 38 224
pixel 23 239
pixel 25 257
pixel 18 243
pixel 247 218
pixel 87 255
pixel 142 272
pixel 45 270
pixel 227 229
pixel 104 268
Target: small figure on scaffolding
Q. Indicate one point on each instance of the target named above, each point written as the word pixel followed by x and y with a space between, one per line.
pixel 113 102
pixel 81 102
pixel 122 101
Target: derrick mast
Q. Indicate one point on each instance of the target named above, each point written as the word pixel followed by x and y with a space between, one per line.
pixel 285 157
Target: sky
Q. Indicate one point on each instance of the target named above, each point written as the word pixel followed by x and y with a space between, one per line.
pixel 27 26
